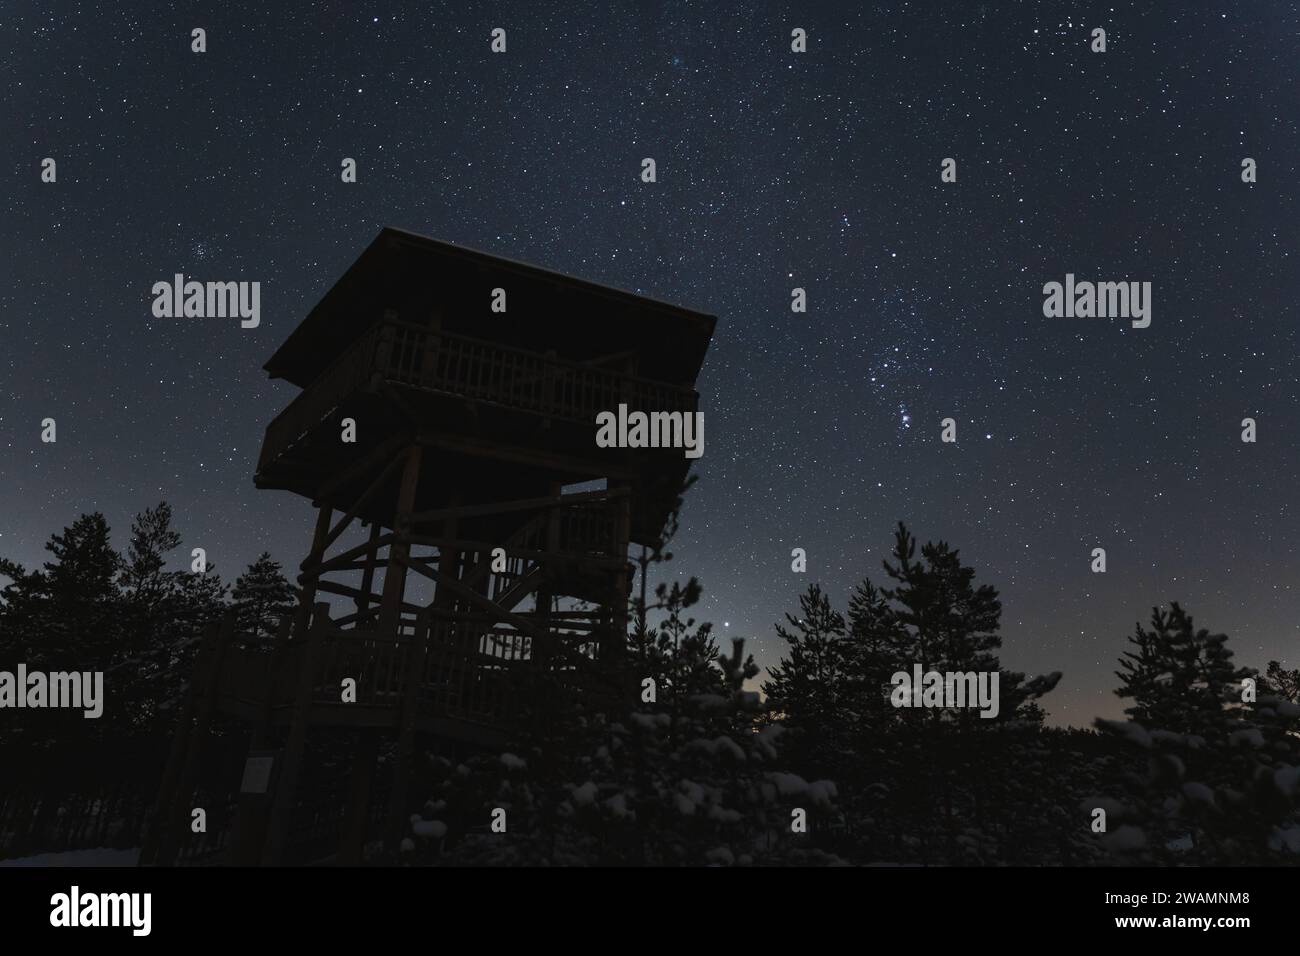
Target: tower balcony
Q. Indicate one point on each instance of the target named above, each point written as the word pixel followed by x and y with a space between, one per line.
pixel 441 378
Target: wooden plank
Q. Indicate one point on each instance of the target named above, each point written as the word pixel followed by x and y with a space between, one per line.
pixel 344 590
pixel 596 560
pixel 362 466
pixel 416 652
pixel 580 468
pixel 343 557
pixel 395 574
pixel 348 518
pixel 368 574
pixel 472 596
pixel 291 761
pixel 519 504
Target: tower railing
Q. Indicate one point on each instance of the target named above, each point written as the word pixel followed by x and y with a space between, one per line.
pixel 472 369
pixel 462 668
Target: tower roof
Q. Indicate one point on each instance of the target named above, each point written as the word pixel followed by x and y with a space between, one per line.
pixel 422 278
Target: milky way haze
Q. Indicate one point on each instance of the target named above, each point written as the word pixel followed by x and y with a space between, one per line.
pixel 775 170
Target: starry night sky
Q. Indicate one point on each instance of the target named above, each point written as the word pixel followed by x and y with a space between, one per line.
pixel 775 170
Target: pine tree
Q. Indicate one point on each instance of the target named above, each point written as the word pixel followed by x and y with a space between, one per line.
pixel 1179 678
pixel 813 690
pixel 953 624
pixel 1221 780
pixel 165 612
pixel 262 595
pixel 144 578
pixel 1282 682
pixel 20 604
pixel 198 600
pixel 79 622
pixel 879 645
pixel 969 804
pixel 25 619
pixel 66 617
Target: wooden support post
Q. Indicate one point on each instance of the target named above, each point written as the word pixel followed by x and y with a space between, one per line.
pixel 395 574
pixel 417 651
pixel 364 758
pixel 544 643
pixel 262 735
pixel 307 591
pixel 375 484
pixel 448 556
pixel 178 813
pixel 616 642
pixel 368 575
pixel 549 403
pixel 432 347
pixel 252 810
pixel 384 349
pixel 177 752
pixel 291 763
pixel 363 467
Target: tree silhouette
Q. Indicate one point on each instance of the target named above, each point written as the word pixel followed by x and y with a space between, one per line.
pixel 262 595
pixel 143 577
pixel 1282 682
pixel 946 780
pixel 1179 678
pixel 1221 780
pixel 814 690
pixel 77 624
pixel 676 762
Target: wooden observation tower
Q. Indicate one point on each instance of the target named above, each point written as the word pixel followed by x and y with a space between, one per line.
pixel 448 407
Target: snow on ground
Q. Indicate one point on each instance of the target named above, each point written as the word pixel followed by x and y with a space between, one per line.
pixel 434 829
pixel 101 856
pixel 1289 838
